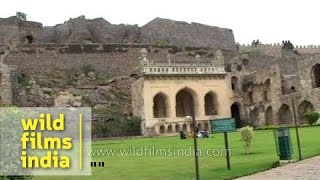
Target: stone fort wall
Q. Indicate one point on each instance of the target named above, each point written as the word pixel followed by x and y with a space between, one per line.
pixel 105 59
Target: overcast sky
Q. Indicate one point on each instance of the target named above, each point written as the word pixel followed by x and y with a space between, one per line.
pixel 270 21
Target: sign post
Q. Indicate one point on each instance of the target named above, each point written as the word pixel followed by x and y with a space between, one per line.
pixel 227 148
pixel 224 126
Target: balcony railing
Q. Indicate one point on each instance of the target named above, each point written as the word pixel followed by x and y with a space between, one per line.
pixel 182 67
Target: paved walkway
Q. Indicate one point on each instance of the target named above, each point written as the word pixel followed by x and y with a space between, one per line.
pixel 305 169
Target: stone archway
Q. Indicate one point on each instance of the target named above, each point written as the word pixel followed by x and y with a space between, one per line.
pixel 315 76
pixel 268 116
pixel 210 104
pixel 285 115
pixel 304 107
pixel 162 129
pixel 184 127
pixel 191 127
pixel 169 130
pixel 177 127
pixel 185 103
pixel 235 113
pixel 160 106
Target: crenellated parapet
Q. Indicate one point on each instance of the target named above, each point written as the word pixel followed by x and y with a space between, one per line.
pixel 276 49
pixel 275 46
pixel 260 46
pixel 308 49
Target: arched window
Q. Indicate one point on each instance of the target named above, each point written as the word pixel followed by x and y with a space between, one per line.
pixel 160 106
pixel 162 129
pixel 234 83
pixel 315 75
pixel 185 103
pixel 191 127
pixel 170 129
pixel 184 127
pixel 285 116
pixel 210 104
pixel 268 116
pixel 177 127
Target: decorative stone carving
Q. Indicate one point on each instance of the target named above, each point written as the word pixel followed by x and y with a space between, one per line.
pixel 143 56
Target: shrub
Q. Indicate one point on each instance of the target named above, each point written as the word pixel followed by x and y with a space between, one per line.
pixel 116 125
pixel 247 137
pixel 160 42
pixel 22 16
pixel 267 127
pixel 23 80
pixel 312 117
pixel 8 119
pixel 87 68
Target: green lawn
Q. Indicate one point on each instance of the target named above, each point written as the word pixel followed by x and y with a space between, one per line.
pixel 182 167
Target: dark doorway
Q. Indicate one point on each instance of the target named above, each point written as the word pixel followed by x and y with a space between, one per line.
pixel 177 127
pixel 162 129
pixel 210 104
pixel 184 127
pixel 234 83
pixel 268 116
pixel 184 104
pixel 159 106
pixel 30 38
pixel 235 113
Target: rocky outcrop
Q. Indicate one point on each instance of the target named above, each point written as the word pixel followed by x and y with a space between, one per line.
pixel 184 34
pixel 81 30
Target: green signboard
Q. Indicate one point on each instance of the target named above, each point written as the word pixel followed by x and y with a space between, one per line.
pixel 223 125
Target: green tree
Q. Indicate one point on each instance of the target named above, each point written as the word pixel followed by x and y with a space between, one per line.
pixel 247 137
pixel 21 16
pixel 312 117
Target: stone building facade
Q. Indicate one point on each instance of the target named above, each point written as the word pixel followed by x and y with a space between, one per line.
pixel 169 91
pixel 272 84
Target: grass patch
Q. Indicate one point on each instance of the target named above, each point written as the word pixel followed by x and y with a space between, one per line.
pixel 162 167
